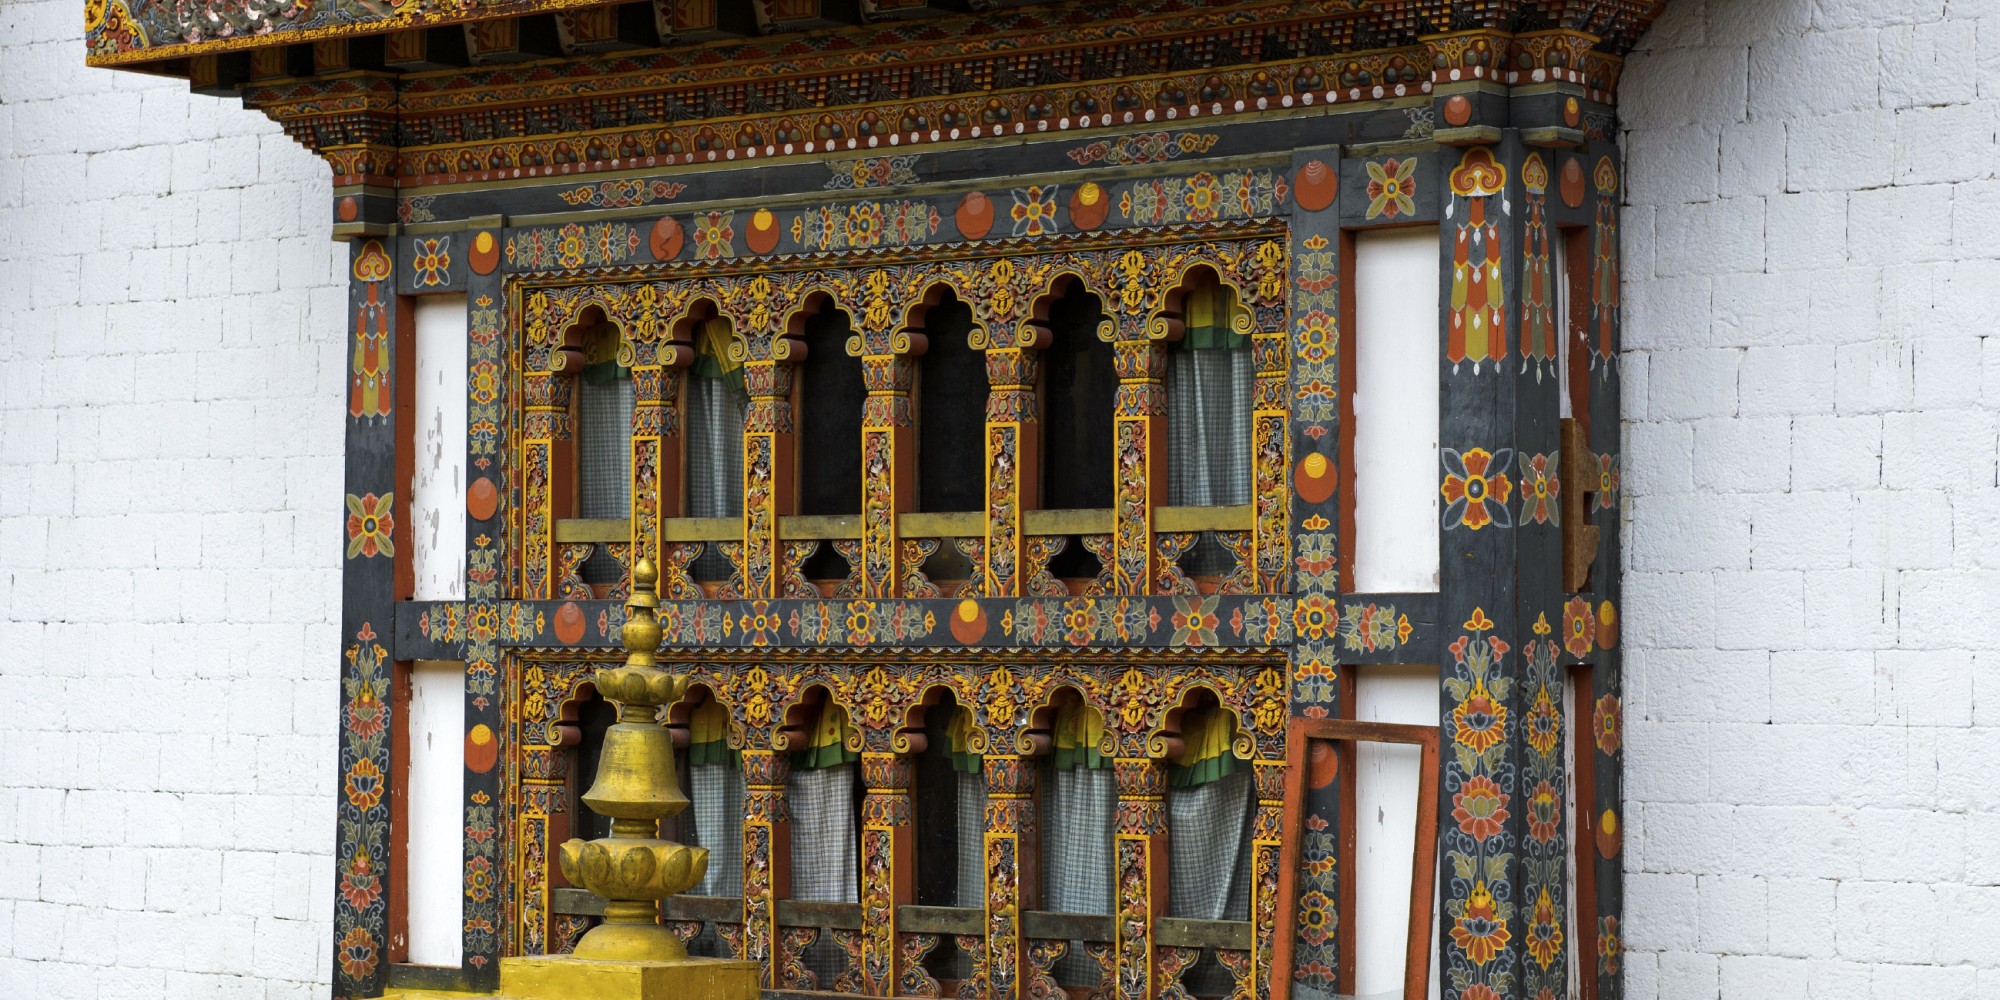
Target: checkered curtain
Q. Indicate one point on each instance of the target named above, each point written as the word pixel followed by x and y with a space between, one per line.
pixel 825 849
pixel 1208 836
pixel 1210 377
pixel 716 407
pixel 971 840
pixel 604 441
pixel 1079 803
pixel 715 820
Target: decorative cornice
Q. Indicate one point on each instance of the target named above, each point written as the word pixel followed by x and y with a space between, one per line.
pixel 720 104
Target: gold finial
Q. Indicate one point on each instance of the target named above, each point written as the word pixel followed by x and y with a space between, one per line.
pixel 636 786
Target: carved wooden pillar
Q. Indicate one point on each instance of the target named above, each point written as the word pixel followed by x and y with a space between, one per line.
pixel 1266 843
pixel 1261 278
pixel 1140 866
pixel 548 449
pixel 1013 869
pixel 888 432
pixel 767 855
pixel 888 867
pixel 1139 449
pixel 658 372
pixel 768 443
pixel 1013 462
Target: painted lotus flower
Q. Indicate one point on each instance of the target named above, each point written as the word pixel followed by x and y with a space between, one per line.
pixel 1476 488
pixel 360 885
pixel 1544 812
pixel 1479 722
pixel 366 715
pixel 1545 933
pixel 1481 931
pixel 1480 808
pixel 357 953
pixel 1544 724
pixel 364 785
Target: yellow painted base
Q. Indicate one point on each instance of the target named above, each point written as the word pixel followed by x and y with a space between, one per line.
pixel 562 977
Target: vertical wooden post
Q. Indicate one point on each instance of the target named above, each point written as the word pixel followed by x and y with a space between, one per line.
pixel 888 867
pixel 1311 299
pixel 485 524
pixel 768 443
pixel 767 855
pixel 1139 864
pixel 888 431
pixel 1138 456
pixel 370 584
pixel 1482 603
pixel 1013 870
pixel 1013 463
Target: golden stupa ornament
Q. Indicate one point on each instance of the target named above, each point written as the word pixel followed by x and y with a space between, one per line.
pixel 633 869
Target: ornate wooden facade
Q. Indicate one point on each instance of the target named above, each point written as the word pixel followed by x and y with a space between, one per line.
pixel 566 166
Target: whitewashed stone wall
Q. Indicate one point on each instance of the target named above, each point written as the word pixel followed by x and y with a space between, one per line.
pixel 1812 389
pixel 170 434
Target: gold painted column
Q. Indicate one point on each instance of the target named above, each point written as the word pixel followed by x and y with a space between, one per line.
pixel 1140 869
pixel 1013 463
pixel 658 373
pixel 888 867
pixel 888 431
pixel 547 451
pixel 1139 452
pixel 767 855
pixel 1270 465
pixel 1013 870
pixel 1266 846
pixel 768 463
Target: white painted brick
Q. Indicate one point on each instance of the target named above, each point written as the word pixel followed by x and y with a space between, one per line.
pixel 1842 152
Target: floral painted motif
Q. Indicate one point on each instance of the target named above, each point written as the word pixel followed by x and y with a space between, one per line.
pixel 1204 197
pixel 1544 812
pixel 623 193
pixel 1545 933
pixel 1608 947
pixel 1034 211
pixel 1480 775
pixel 431 261
pixel 714 236
pixel 1607 481
pixel 599 244
pixel 370 525
pixel 358 954
pixel 1544 723
pixel 1476 488
pixel 1392 187
pixel 1605 723
pixel 872 171
pixel 1478 329
pixel 1480 808
pixel 1540 489
pixel 865 224
pixel 1150 147
pixel 1370 628
pixel 1579 628
pixel 1481 930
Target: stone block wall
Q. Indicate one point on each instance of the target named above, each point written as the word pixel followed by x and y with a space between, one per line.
pixel 171 382
pixel 1813 567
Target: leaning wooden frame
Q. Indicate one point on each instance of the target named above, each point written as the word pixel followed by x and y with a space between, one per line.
pixel 1304 733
